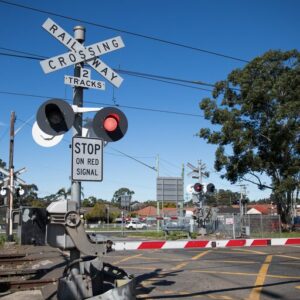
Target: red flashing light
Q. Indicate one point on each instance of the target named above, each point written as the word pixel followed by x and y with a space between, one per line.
pixel 111 123
pixel 198 187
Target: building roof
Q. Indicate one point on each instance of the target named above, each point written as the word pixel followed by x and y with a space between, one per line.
pixel 151 211
pixel 253 211
pixel 148 211
pixel 264 209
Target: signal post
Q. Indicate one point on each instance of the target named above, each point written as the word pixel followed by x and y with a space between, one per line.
pixel 54 118
pixel 79 35
pixel 198 190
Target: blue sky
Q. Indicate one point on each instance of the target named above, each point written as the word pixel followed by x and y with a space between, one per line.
pixel 242 29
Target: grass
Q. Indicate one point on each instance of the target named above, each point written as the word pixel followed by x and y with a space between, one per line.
pixel 176 235
pixel 277 235
pixel 148 234
pixel 2 239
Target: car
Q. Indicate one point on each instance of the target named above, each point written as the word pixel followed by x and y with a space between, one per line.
pixel 136 225
pixel 174 226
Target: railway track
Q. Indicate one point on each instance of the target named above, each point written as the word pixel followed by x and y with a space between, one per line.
pixel 17 274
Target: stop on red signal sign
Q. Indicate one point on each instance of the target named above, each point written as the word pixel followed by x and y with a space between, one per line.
pixel 87 159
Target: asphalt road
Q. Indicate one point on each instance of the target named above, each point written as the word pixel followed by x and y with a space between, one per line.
pixel 229 273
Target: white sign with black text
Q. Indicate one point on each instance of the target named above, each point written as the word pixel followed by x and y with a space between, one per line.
pixel 85 80
pixel 79 53
pixel 87 159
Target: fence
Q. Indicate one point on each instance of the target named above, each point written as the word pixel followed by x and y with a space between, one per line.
pixel 262 225
pixel 233 226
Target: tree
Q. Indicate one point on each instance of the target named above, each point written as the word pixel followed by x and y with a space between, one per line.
pixel 97 213
pixel 257 110
pixel 2 163
pixel 30 194
pixel 121 192
pixel 63 193
pixel 39 203
pixel 222 198
pixel 89 202
pixel 50 198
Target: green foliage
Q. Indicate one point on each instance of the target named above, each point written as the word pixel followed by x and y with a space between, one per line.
pixel 148 234
pixel 89 202
pixel 113 215
pixel 63 193
pixel 2 163
pixel 121 192
pixel 169 205
pixel 149 203
pixel 222 198
pixel 38 203
pixel 257 110
pixel 29 196
pixel 2 239
pixel 97 213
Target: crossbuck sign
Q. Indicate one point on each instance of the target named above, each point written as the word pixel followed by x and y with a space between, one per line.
pixel 79 53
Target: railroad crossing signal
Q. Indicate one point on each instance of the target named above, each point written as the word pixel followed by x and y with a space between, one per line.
pixel 110 124
pixel 6 176
pixel 55 117
pixel 198 188
pixel 197 172
pixel 210 188
pixel 79 53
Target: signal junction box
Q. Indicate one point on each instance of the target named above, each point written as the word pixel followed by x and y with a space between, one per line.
pixel 56 235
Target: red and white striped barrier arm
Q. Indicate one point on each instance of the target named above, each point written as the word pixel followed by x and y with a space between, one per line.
pixel 198 244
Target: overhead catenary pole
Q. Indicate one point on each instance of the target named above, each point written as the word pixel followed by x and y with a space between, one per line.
pixel 79 35
pixel 157 202
pixel 11 177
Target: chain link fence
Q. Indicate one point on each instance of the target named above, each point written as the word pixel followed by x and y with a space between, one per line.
pixel 250 226
pixel 261 225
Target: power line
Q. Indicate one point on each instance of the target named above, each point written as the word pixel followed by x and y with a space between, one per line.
pixel 105 104
pixel 22 52
pixel 171 164
pixel 159 78
pixel 126 32
pixel 167 78
pixel 133 158
pixel 25 123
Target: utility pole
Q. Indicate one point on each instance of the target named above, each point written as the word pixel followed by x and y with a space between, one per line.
pixel 182 202
pixel 79 35
pixel 157 203
pixel 11 177
pixel 243 204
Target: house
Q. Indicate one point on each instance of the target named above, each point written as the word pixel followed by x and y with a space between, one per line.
pixel 262 209
pixel 151 212
pixel 146 212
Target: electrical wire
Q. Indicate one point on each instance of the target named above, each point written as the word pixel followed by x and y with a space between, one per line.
pixel 169 80
pixel 105 104
pixel 22 52
pixel 126 32
pixel 133 158
pixel 26 123
pixel 171 164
